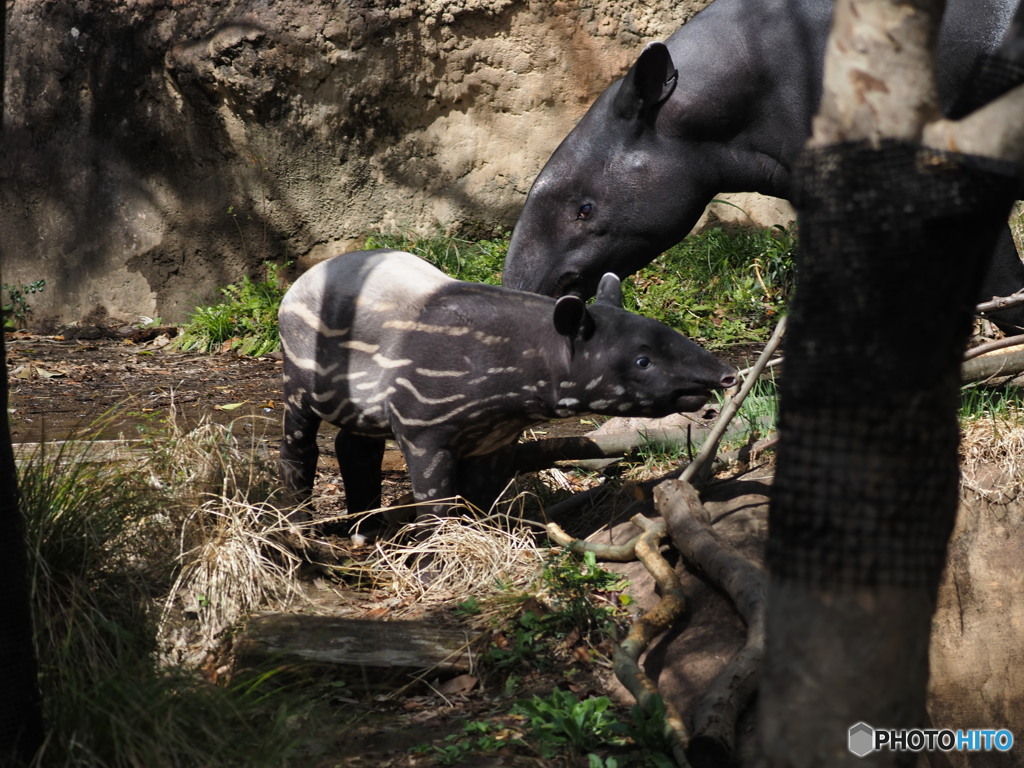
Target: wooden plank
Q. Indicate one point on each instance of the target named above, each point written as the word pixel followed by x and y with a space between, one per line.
pixel 355 642
pixel 83 450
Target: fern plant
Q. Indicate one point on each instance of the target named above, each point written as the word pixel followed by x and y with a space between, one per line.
pixel 247 318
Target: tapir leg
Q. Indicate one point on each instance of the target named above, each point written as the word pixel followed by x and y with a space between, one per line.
pixel 432 473
pixel 482 479
pixel 298 457
pixel 360 459
pixel 1005 275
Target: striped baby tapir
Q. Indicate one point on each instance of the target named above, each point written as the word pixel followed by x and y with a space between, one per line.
pixel 381 344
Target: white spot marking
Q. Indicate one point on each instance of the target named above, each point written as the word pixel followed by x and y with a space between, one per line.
pixel 439 374
pixel 388 362
pixel 429 400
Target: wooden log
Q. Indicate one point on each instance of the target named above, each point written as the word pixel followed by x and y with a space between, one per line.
pixel 1009 363
pixel 541 454
pixel 716 713
pixel 413 645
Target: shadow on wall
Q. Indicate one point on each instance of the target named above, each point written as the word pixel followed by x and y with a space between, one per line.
pixel 152 154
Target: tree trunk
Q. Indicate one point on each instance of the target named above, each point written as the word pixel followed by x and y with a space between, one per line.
pixel 866 489
pixel 21 724
pixel 21 730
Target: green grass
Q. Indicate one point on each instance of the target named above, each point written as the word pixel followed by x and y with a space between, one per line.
pixel 476 260
pixel 720 287
pixel 998 404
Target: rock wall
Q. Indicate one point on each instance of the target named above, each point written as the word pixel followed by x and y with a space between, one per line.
pixel 154 150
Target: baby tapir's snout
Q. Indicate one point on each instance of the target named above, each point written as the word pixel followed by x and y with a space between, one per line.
pixel 381 344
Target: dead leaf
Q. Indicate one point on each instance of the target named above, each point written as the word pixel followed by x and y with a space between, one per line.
pixel 230 406
pixel 458 684
pixel 582 653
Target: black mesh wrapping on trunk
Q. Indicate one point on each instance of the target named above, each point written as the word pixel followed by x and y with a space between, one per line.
pixel 894 240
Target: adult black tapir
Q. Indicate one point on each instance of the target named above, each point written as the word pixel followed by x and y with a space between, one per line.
pixel 725 105
pixel 380 344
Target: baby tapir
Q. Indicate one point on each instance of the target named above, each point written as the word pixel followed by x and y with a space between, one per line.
pixel 380 344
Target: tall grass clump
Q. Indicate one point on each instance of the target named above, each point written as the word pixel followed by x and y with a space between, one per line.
pixel 475 260
pixel 246 318
pixel 105 552
pixel 719 287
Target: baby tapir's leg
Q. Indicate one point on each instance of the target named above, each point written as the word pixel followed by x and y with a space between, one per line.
pixel 359 459
pixel 482 479
pixel 297 461
pixel 432 473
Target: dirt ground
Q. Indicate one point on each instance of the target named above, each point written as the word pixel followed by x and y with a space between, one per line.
pixel 60 385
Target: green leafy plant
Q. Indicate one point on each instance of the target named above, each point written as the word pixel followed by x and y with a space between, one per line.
pixel 247 318
pixel 561 721
pixel 523 645
pixel 647 730
pixel 477 737
pixel 16 312
pixel 573 586
pixel 576 599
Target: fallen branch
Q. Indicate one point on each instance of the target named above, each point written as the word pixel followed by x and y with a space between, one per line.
pixel 715 715
pixel 1000 302
pixel 616 553
pixel 541 454
pixel 989 366
pixel 699 469
pixel 992 346
pixel 644 629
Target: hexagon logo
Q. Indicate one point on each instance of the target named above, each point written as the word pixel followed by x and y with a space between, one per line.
pixel 861 739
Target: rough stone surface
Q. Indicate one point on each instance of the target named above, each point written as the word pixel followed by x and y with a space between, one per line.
pixel 154 150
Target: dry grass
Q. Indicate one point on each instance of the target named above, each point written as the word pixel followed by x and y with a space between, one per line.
pixel 243 560
pixel 107 541
pixel 237 552
pixel 453 558
pixel 991 449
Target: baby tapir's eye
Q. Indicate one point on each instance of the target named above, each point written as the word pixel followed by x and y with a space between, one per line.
pixel 643 362
pixel 584 211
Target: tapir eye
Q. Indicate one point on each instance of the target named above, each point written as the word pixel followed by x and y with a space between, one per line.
pixel 643 362
pixel 584 211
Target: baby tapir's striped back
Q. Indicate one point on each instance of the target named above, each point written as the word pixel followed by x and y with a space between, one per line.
pixel 379 343
pixel 341 325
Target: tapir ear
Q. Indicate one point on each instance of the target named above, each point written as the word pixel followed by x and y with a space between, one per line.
pixel 609 290
pixel 572 319
pixel 648 83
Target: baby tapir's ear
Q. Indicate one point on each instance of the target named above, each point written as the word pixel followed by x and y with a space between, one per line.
pixel 609 290
pixel 572 319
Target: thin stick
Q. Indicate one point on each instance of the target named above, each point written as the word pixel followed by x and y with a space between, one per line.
pixel 696 472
